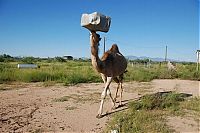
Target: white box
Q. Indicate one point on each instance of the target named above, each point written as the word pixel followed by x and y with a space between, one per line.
pixel 96 22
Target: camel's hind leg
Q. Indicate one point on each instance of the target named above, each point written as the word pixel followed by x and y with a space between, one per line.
pixel 118 84
pixel 119 81
pixel 121 89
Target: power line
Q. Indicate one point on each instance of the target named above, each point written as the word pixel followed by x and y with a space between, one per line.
pixel 163 48
pixel 136 46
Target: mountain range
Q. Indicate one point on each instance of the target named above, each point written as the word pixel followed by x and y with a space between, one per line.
pixel 130 57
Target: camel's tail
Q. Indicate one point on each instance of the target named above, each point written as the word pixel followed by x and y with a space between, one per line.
pixel 125 71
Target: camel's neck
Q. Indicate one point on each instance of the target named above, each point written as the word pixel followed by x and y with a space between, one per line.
pixel 96 62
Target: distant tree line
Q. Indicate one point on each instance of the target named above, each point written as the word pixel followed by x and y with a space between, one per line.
pixel 32 60
pixel 6 58
pixel 141 61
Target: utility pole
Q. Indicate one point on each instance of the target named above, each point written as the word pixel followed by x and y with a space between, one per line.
pixel 104 44
pixel 198 52
pixel 166 53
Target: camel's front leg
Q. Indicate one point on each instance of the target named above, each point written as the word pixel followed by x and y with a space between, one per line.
pixel 113 101
pixel 103 96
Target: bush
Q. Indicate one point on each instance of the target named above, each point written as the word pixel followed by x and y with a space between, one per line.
pixel 146 114
pixel 28 60
pixel 158 101
pixel 60 59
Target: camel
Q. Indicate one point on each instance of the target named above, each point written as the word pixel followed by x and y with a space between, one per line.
pixel 111 66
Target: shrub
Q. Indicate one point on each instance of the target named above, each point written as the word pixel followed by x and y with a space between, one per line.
pixel 28 60
pixel 159 100
pixel 146 114
pixel 60 59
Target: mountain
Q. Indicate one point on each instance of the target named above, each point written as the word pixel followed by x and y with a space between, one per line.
pixel 130 57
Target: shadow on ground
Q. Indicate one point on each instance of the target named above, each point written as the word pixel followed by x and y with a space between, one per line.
pixel 124 106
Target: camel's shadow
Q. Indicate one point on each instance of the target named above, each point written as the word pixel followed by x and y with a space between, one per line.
pixel 124 106
pixel 119 108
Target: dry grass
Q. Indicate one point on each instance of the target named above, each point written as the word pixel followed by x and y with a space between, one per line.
pixel 71 108
pixel 12 85
pixel 62 99
pixel 81 98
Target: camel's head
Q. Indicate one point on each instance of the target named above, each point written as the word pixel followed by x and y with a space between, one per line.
pixel 95 38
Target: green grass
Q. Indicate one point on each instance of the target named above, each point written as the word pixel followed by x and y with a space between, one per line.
pixel 192 104
pixel 142 74
pixel 139 122
pixel 73 72
pixel 158 101
pixel 150 112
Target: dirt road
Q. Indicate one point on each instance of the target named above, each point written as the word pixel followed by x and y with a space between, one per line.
pixel 35 108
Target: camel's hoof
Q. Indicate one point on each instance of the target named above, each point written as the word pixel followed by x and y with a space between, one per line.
pixel 99 116
pixel 120 105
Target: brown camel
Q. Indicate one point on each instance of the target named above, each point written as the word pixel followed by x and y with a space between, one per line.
pixel 111 66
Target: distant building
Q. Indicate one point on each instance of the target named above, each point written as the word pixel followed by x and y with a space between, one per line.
pixel 27 66
pixel 68 57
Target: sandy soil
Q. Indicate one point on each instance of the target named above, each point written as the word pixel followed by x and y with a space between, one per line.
pixel 35 108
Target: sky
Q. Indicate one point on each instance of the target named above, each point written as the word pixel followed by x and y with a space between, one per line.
pixel 49 28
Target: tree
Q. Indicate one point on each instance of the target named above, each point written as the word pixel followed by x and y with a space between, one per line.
pixel 28 60
pixel 60 59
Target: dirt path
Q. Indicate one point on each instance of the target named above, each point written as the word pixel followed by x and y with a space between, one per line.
pixel 34 108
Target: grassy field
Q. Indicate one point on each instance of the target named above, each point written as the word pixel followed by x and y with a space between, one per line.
pixel 157 71
pixel 70 72
pixel 73 72
pixel 152 111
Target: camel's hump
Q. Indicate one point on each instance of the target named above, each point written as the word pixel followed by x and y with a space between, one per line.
pixel 114 48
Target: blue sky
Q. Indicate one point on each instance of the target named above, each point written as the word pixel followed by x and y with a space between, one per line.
pixel 48 28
